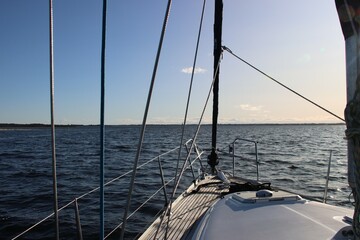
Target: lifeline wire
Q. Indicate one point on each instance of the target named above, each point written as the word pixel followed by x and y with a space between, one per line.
pixel 293 91
pixel 53 146
pixel 93 190
pixel 141 139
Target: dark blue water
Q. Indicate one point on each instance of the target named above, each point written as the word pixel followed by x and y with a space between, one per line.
pixel 292 156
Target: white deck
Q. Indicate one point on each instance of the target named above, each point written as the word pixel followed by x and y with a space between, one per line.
pixel 245 216
pixel 282 216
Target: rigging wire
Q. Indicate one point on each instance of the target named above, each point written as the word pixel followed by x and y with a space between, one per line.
pixel 141 139
pixel 176 184
pixel 273 79
pixel 197 131
pixel 185 120
pixel 52 90
pixel 102 121
pixel 190 87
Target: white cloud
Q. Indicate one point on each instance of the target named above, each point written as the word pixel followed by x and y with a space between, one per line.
pixel 305 58
pixel 197 70
pixel 248 107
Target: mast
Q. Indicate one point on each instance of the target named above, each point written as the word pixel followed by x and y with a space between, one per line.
pixel 213 158
pixel 349 12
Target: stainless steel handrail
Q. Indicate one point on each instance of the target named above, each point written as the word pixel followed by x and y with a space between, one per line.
pixel 232 149
pixel 327 178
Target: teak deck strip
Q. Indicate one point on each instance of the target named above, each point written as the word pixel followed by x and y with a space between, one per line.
pixel 186 209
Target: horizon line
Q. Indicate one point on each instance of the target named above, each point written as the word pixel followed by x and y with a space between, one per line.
pixel 2 125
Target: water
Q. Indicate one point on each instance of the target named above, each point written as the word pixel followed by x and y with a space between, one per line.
pixel 292 156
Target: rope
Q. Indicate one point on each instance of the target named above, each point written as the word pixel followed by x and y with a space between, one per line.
pixel 190 87
pixel 284 86
pixel 352 117
pixel 141 139
pixel 53 146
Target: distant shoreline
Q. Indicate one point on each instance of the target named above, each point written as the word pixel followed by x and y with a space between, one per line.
pixel 40 125
pixel 9 126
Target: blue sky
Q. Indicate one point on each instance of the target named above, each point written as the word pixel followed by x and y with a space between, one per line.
pixel 299 44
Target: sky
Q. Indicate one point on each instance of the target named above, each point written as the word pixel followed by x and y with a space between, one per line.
pixel 298 43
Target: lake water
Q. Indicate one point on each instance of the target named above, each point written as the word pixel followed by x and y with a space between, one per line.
pixel 293 157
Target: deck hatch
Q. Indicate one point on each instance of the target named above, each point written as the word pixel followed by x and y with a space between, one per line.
pixel 276 196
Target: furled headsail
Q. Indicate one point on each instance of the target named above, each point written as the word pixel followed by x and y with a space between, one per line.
pixel 349 16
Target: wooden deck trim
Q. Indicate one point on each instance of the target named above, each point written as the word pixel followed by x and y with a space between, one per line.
pixel 186 209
